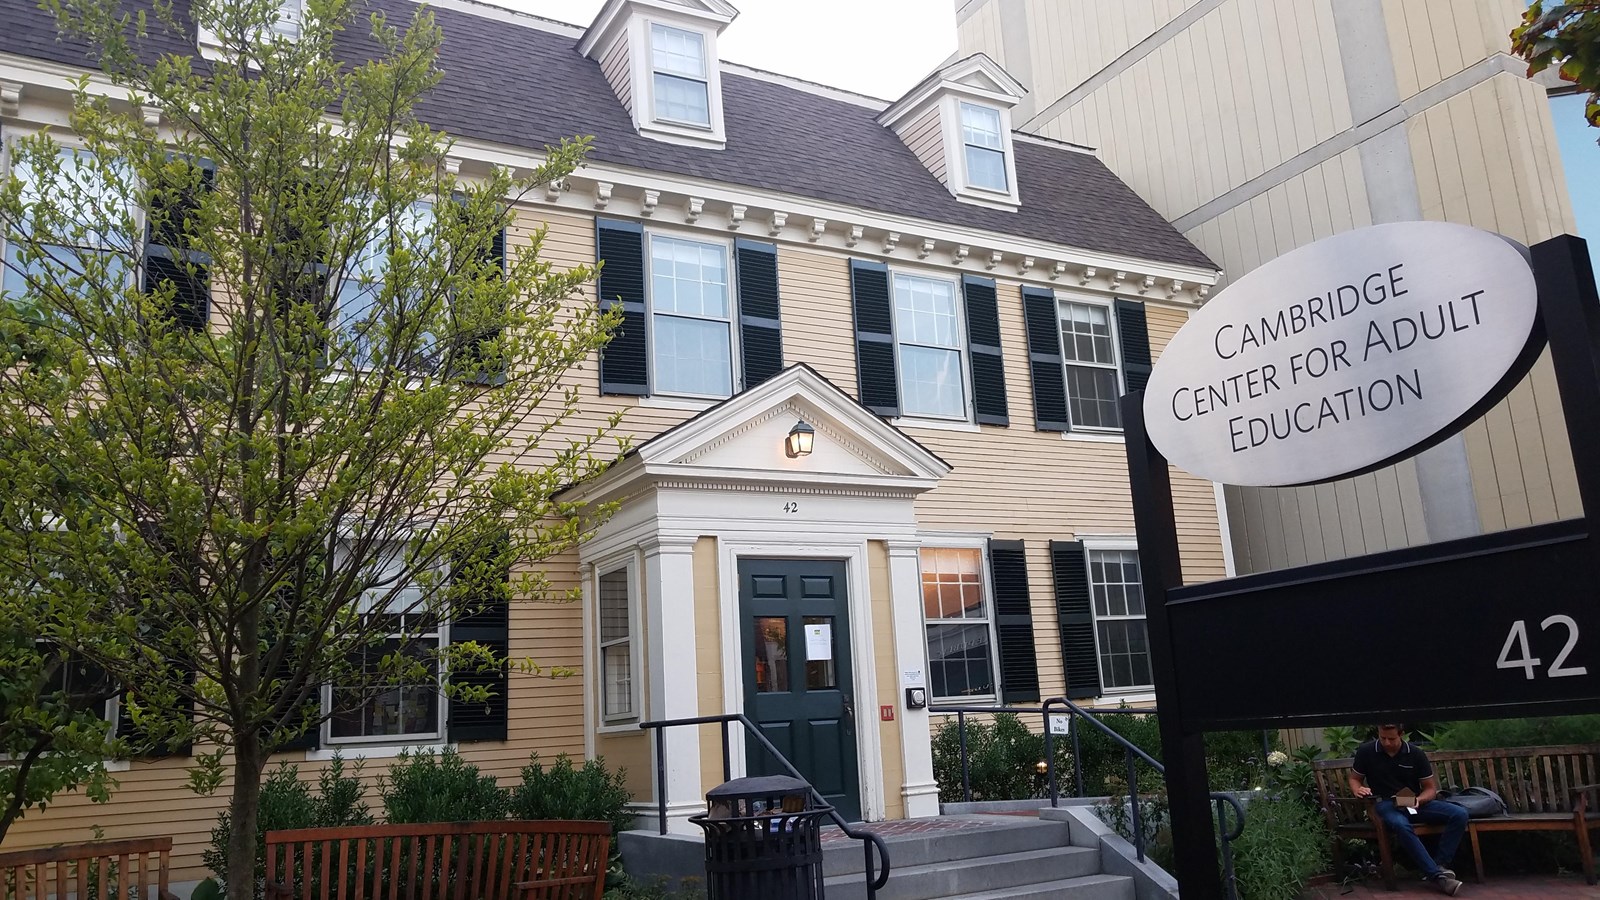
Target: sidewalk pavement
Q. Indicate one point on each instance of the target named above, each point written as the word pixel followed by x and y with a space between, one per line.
pixel 1528 887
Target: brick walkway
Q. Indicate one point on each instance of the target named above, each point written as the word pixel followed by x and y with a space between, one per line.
pixel 1530 887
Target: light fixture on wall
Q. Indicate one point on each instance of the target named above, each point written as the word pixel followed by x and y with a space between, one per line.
pixel 800 439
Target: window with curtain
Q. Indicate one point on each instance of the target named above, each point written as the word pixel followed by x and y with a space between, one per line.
pixel 616 645
pixel 957 619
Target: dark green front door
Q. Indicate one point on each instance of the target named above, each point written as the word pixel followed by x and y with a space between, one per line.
pixel 795 635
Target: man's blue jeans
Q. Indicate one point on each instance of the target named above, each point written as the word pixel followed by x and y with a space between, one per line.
pixel 1438 812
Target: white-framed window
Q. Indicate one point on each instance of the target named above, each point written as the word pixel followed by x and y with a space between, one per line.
pixel 958 618
pixel 74 676
pixel 1121 640
pixel 929 342
pixel 692 337
pixel 291 16
pixel 407 713
pixel 88 210
pixel 361 285
pixel 680 80
pixel 984 146
pixel 614 595
pixel 1089 352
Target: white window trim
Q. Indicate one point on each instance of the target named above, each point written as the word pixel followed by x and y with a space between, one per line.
pixel 1109 542
pixel 627 561
pixel 392 741
pixel 1004 149
pixel 1062 297
pixel 735 350
pixel 955 147
pixel 980 543
pixel 703 79
pixel 962 351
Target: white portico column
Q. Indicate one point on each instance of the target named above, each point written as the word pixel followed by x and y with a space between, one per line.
pixel 673 694
pixel 920 791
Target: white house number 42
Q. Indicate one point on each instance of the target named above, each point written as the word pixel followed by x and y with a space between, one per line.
pixel 1517 642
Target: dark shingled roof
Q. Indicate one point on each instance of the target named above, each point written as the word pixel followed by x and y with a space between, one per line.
pixel 527 87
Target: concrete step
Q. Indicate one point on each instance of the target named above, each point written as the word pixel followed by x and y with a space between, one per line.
pixel 1089 887
pixel 998 834
pixel 958 877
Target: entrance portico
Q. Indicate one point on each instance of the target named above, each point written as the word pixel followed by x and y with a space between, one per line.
pixel 719 494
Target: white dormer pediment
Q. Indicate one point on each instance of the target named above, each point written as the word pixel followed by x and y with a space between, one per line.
pixel 958 123
pixel 740 442
pixel 660 58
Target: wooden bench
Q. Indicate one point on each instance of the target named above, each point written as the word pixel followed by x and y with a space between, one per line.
pixel 1545 789
pixel 442 861
pixel 102 870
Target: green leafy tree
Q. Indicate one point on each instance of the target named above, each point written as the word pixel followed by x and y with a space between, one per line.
pixel 234 504
pixel 1567 36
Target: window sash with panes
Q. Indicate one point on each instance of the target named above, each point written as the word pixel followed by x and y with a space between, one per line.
pixel 75 178
pixel 691 318
pixel 288 24
pixel 1088 350
pixel 616 645
pixel 678 64
pixel 391 713
pixel 958 622
pixel 1121 639
pixel 927 328
pixel 362 283
pixel 985 147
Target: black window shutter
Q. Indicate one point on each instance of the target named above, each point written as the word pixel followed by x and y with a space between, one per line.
pixel 1013 622
pixel 760 331
pixel 983 344
pixel 1075 612
pixel 492 255
pixel 168 257
pixel 875 363
pixel 1044 360
pixel 311 738
pixel 624 365
pixel 1134 336
pixel 485 619
pixel 141 746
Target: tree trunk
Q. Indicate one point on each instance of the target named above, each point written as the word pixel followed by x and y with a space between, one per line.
pixel 244 811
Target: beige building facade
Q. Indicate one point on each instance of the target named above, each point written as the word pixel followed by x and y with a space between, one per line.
pixel 1257 127
pixel 951 307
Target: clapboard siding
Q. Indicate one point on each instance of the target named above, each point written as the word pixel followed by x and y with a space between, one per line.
pixel 616 67
pixel 926 140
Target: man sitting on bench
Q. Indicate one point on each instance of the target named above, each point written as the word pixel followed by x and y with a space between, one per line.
pixel 1402 779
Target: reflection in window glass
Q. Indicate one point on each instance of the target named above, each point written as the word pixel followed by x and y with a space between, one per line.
pixel 985 147
pixel 960 653
pixel 1088 350
pixel 678 58
pixel 361 288
pixel 616 644
pixel 76 213
pixel 409 709
pixel 928 333
pixel 772 654
pixel 692 319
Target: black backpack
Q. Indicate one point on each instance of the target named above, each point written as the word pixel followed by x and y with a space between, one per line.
pixel 1480 803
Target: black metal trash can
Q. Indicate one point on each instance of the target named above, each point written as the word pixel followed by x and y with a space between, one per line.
pixel 763 840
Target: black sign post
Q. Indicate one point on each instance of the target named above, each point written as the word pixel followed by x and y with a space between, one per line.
pixel 1497 625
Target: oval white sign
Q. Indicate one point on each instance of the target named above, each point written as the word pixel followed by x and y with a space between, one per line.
pixel 1344 354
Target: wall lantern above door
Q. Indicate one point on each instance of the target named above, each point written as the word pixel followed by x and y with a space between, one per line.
pixel 799 441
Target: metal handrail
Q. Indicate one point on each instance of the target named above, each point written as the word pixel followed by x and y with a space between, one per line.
pixel 869 841
pixel 1131 752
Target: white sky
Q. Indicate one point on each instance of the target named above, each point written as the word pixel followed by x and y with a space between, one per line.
pixel 875 47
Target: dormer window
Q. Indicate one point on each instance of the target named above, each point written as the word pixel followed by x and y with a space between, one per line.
pixel 660 58
pixel 682 93
pixel 287 26
pixel 985 147
pixel 958 123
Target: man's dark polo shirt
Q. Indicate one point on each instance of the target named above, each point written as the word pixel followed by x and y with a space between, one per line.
pixel 1386 774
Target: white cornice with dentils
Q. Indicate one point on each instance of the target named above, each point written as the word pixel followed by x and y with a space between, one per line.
pixel 857 231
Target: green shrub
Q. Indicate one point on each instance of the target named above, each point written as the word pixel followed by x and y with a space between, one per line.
pixel 289 802
pixel 424 787
pixel 629 889
pixel 1283 845
pixel 563 791
pixel 1002 760
pixel 1488 734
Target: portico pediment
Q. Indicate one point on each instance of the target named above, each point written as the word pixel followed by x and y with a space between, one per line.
pixel 741 442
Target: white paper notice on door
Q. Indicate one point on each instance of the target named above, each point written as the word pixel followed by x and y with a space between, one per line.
pixel 819 642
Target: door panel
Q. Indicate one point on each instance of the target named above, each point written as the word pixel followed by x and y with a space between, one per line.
pixel 798 684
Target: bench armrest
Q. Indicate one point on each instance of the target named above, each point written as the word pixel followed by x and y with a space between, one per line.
pixel 279 889
pixel 1580 797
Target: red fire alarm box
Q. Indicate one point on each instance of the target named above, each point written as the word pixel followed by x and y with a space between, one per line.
pixel 886 713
